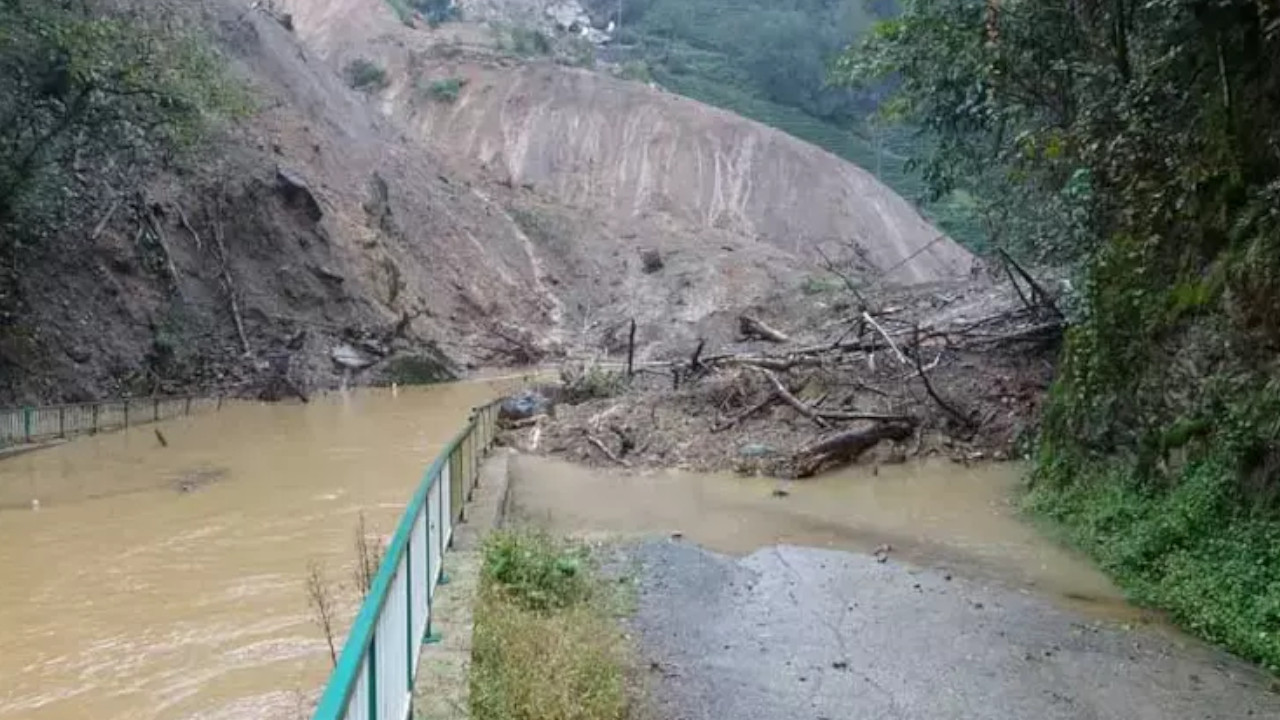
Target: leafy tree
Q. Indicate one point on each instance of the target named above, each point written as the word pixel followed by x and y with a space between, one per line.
pixel 81 89
pixel 1136 141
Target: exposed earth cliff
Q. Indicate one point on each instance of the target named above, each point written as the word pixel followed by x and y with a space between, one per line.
pixel 402 231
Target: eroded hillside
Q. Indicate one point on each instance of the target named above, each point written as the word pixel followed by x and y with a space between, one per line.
pixel 396 230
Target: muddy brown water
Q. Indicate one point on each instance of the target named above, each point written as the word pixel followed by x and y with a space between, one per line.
pixel 159 582
pixel 169 582
pixel 933 513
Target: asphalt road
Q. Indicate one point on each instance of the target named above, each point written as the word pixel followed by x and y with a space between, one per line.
pixel 792 633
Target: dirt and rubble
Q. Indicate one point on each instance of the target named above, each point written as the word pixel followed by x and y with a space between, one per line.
pixel 956 369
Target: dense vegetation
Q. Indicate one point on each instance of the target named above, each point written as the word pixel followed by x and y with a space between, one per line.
pixel 768 60
pixel 83 89
pixel 92 103
pixel 1137 143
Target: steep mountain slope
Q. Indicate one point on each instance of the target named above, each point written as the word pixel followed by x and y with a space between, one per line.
pixel 381 252
pixel 400 230
pixel 590 140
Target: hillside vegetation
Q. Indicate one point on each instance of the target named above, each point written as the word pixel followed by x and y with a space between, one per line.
pixel 769 61
pixel 1136 143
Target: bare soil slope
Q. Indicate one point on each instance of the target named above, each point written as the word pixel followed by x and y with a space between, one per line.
pixel 593 141
pixel 397 226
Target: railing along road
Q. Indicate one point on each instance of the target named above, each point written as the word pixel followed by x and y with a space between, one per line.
pixel 375 674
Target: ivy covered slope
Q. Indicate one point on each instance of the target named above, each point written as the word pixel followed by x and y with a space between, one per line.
pixel 1137 143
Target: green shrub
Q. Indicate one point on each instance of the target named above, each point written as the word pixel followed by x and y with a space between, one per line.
pixel 530 41
pixel 446 90
pixel 366 75
pixel 545 645
pixel 1193 549
pixel 536 572
pixel 580 382
pixel 581 53
pixel 637 70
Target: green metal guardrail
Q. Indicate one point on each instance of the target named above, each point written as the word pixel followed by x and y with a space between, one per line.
pixel 35 424
pixel 374 677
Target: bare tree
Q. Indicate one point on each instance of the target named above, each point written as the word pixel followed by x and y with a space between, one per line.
pixel 368 558
pixel 323 606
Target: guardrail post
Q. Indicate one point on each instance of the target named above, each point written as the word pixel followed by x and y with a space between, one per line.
pixel 26 423
pixel 62 422
pixel 95 419
pixel 373 678
pixel 408 615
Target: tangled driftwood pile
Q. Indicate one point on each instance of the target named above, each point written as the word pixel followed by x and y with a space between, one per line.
pixel 959 370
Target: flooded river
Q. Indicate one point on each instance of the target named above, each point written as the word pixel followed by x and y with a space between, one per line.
pixel 168 582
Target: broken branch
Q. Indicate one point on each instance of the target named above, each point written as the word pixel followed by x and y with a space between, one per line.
pixel 951 410
pixel 867 316
pixel 790 399
pixel 754 327
pixel 607 452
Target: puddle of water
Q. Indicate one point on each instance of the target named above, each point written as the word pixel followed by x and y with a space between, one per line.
pixel 169 582
pixel 933 513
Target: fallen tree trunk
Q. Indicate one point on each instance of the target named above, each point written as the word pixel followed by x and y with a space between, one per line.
pixel 846 447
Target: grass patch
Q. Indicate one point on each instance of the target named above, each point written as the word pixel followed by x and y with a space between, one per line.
pixel 446 90
pixel 1196 549
pixel 546 646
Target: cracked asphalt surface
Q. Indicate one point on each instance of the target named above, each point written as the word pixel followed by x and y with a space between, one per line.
pixel 796 633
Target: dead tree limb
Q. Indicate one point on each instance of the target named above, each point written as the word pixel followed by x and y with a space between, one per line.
pixel 754 327
pixel 607 452
pixel 951 410
pixel 102 224
pixel 186 224
pixel 790 399
pixel 867 316
pixel 845 447
pixel 1041 297
pixel 631 350
pixel 1008 271
pixel 160 241
pixel 770 399
pixel 228 284
pixel 848 283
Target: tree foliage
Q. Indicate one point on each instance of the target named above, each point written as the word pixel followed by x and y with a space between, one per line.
pixel 83 91
pixel 1137 142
